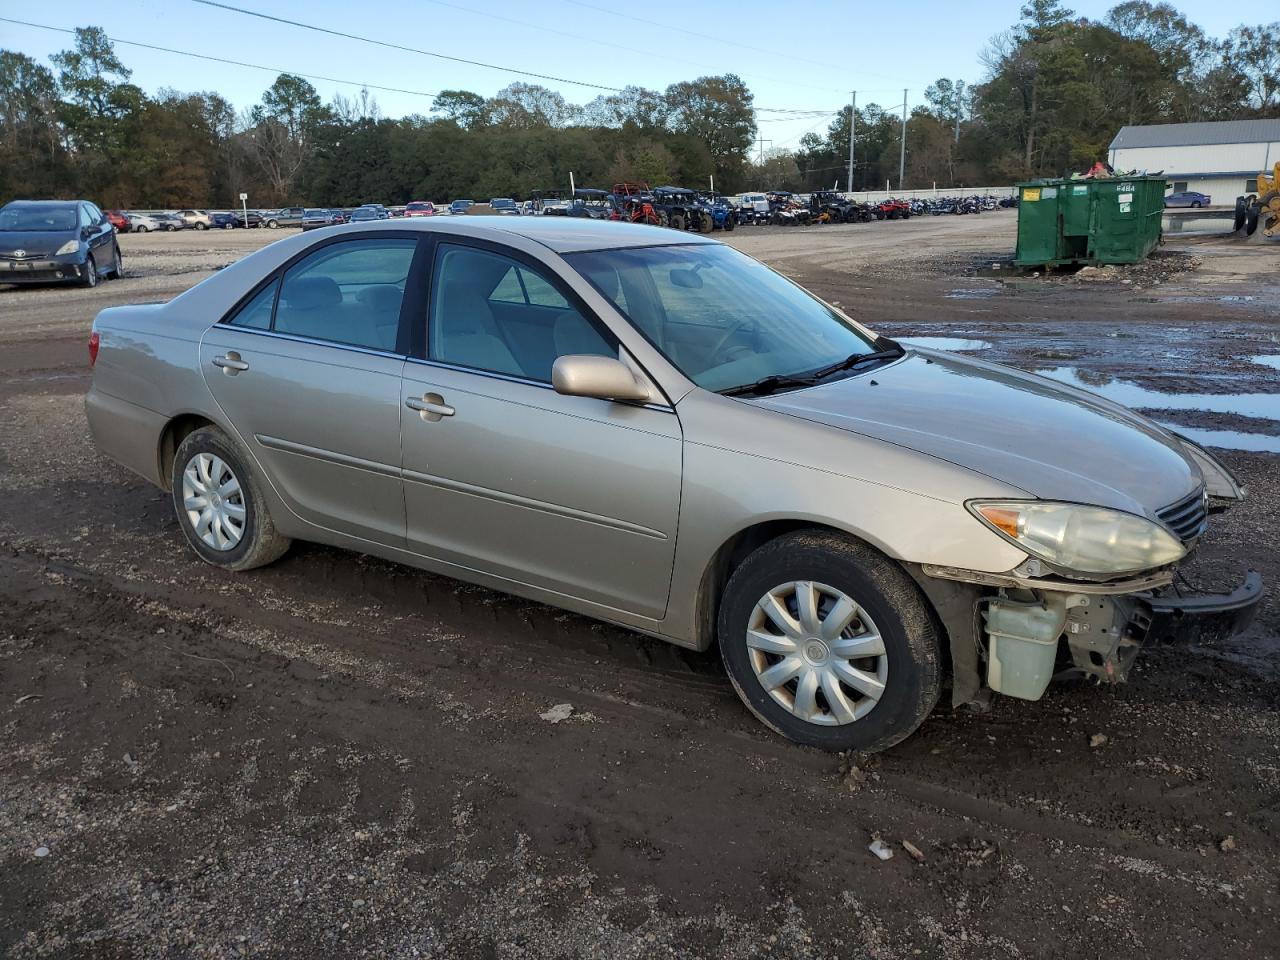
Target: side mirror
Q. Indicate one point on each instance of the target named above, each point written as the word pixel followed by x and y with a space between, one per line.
pixel 583 375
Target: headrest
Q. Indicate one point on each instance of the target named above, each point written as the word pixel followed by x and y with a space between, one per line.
pixel 311 293
pixel 381 298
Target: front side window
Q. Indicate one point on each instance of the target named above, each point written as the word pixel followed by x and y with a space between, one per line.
pixel 348 293
pixel 492 313
pixel 723 319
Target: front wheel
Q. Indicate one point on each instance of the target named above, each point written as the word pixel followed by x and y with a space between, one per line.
pixel 676 222
pixel 220 505
pixel 140 229
pixel 830 643
pixel 90 276
pixel 1195 204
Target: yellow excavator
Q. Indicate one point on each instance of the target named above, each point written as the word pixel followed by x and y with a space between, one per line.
pixel 1261 208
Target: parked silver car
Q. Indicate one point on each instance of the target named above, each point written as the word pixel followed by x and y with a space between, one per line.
pixel 663 433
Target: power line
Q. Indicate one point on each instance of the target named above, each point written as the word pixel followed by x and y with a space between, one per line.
pixel 401 47
pixel 234 63
pixel 558 32
pixel 784 113
pixel 442 56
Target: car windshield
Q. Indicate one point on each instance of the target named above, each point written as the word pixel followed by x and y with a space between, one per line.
pixel 13 219
pixel 418 206
pixel 723 319
pixel 316 213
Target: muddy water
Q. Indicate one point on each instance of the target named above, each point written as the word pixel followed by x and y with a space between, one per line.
pixel 1256 406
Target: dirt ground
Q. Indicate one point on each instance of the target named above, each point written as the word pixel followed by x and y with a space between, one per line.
pixel 337 756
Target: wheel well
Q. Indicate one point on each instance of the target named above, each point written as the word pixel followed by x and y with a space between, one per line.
pixel 175 431
pixel 731 553
pixel 742 544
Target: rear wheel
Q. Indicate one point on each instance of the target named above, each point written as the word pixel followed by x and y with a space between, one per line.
pixel 730 223
pixel 140 228
pixel 220 505
pixel 200 225
pixel 272 224
pixel 830 643
pixel 676 221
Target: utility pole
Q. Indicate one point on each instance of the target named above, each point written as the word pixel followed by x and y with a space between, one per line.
pixel 853 119
pixel 762 141
pixel 959 95
pixel 902 154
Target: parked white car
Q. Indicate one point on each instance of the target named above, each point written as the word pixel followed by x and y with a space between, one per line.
pixel 142 223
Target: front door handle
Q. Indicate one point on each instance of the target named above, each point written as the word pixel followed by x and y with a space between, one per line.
pixel 231 364
pixel 431 407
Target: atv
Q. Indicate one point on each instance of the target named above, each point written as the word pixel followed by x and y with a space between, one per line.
pixel 679 209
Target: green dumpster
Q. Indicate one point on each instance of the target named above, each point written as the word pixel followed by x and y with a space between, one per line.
pixel 1104 220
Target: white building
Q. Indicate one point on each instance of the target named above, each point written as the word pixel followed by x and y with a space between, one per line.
pixel 1221 158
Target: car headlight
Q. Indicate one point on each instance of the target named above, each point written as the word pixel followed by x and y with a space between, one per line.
pixel 71 246
pixel 1080 538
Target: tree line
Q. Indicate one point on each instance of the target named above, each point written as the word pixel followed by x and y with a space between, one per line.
pixel 1056 88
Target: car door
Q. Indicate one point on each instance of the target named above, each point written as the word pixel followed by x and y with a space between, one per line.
pixel 503 474
pixel 308 372
pixel 100 236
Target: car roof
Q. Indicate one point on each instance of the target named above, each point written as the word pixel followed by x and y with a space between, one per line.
pixel 559 234
pixel 44 203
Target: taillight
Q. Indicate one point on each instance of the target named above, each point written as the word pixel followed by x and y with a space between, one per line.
pixel 93 348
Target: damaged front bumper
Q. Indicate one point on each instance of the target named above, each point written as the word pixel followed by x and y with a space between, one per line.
pixel 1021 631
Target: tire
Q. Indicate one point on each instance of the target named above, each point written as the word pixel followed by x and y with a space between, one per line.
pixel 117 263
pixel 906 675
pixel 201 226
pixel 1242 212
pixel 730 223
pixel 676 221
pixel 1195 204
pixel 706 223
pixel 90 278
pixel 1251 219
pixel 272 224
pixel 257 542
pixel 141 228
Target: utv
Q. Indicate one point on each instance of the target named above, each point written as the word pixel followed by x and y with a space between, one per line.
pixel 679 209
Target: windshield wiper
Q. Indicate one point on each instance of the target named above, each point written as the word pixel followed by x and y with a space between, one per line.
pixel 768 385
pixel 858 359
pixel 778 382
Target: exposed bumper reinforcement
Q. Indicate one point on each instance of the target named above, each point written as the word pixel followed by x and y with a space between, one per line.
pixel 1204 618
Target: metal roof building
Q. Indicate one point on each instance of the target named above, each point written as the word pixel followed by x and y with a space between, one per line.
pixel 1221 158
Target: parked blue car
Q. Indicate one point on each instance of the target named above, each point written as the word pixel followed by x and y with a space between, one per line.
pixel 224 221
pixel 1187 198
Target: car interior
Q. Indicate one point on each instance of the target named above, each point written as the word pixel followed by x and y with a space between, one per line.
pixel 491 313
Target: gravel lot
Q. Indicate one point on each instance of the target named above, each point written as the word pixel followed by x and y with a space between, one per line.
pixel 338 756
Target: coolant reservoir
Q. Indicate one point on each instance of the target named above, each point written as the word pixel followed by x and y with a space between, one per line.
pixel 1022 645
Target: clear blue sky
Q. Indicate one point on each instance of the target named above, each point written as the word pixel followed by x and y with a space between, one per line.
pixel 822 49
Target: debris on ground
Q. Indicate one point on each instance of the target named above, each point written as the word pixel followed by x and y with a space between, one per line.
pixel 1097 740
pixel 42 851
pixel 916 853
pixel 561 711
pixel 881 849
pixel 1227 845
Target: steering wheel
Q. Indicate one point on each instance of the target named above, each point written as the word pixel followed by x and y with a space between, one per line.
pixel 727 336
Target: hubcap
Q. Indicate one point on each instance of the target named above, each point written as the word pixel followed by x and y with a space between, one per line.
pixel 214 502
pixel 817 653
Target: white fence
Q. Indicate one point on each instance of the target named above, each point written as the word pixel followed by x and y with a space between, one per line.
pixel 875 196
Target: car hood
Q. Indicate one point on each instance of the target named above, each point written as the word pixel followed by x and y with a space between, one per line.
pixel 36 243
pixel 1052 440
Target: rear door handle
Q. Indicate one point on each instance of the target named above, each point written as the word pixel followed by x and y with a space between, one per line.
pixel 231 364
pixel 431 406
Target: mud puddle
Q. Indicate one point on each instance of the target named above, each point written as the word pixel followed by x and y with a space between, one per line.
pixel 955 344
pixel 1251 406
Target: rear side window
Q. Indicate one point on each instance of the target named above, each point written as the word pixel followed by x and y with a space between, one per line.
pixel 347 293
pixel 256 314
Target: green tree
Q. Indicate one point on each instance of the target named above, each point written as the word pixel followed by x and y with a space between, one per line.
pixel 718 112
